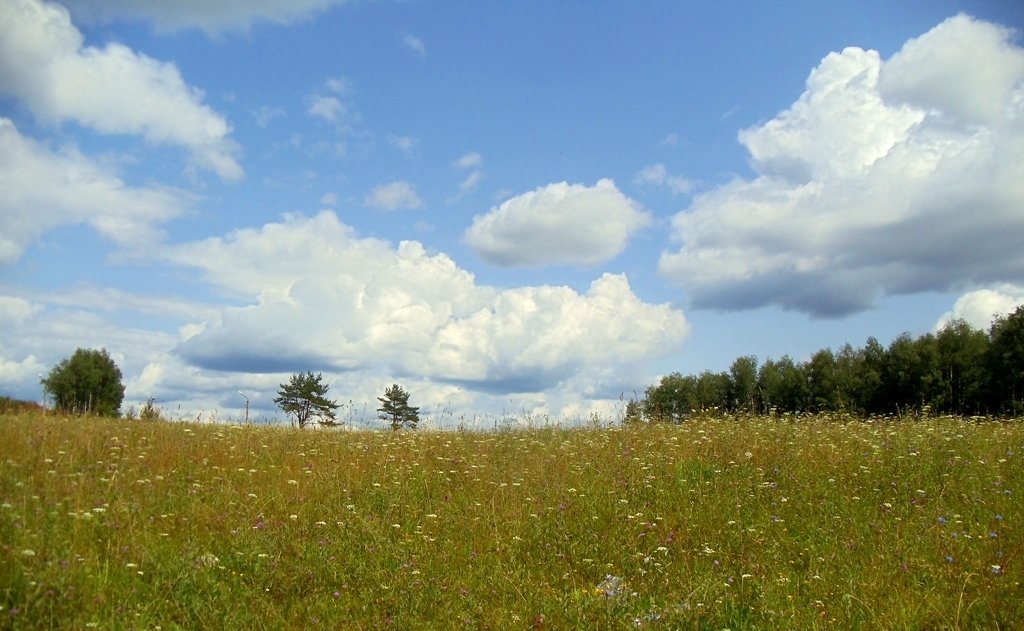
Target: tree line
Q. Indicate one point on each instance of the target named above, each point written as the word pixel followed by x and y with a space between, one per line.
pixel 958 370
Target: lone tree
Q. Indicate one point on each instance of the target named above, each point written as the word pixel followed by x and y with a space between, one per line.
pixel 304 396
pixel 395 408
pixel 89 382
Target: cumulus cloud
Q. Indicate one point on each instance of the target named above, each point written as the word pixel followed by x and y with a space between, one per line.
pixel 211 17
pixel 868 187
pixel 393 196
pixel 46 66
pixel 327 299
pixel 559 223
pixel 658 175
pixel 44 189
pixel 39 332
pixel 980 307
pixel 962 68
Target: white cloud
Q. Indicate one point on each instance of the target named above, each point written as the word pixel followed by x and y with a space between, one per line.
pixel 658 175
pixel 264 115
pixel 211 17
pixel 326 299
pixel 393 196
pixel 329 108
pixel 328 199
pixel 405 144
pixel 45 189
pixel 15 311
pixel 558 224
pixel 415 44
pixel 670 140
pixel 469 184
pixel 46 66
pixel 859 196
pixel 963 67
pixel 471 160
pixel 339 85
pixel 55 329
pixel 980 307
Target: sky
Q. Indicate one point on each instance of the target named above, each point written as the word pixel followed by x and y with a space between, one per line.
pixel 524 209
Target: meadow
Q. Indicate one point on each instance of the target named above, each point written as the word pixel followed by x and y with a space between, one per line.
pixel 742 522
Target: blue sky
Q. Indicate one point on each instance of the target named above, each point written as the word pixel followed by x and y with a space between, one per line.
pixel 518 208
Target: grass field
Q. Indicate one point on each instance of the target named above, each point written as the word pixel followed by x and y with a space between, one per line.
pixel 739 523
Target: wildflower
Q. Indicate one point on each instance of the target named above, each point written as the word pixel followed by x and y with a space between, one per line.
pixel 949 558
pixel 28 552
pixel 293 482
pixel 996 570
pixel 610 587
pixel 208 560
pixel 941 520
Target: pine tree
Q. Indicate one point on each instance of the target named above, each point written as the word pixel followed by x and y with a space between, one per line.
pixel 305 397
pixel 396 410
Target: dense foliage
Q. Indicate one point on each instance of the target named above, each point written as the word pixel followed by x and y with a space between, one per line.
pixel 89 382
pixel 959 370
pixel 305 398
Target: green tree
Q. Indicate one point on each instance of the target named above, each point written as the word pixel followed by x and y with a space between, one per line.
pixel 782 385
pixel 823 395
pixel 769 379
pixel 396 410
pixel 869 393
pixel 633 413
pixel 743 383
pixel 712 391
pixel 89 382
pixel 305 397
pixel 1006 361
pixel 962 352
pixel 910 373
pixel 672 400
pixel 847 379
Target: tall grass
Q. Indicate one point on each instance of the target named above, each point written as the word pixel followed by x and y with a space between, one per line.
pixel 739 523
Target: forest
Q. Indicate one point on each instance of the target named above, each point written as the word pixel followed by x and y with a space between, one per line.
pixel 957 370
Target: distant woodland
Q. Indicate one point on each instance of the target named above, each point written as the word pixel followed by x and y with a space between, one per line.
pixel 959 370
